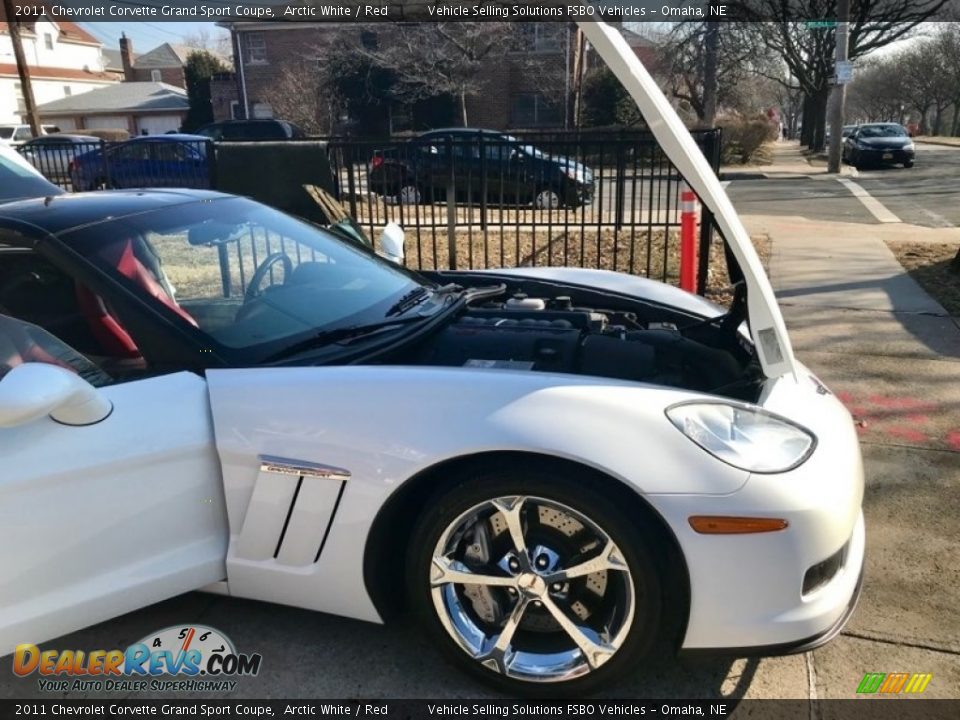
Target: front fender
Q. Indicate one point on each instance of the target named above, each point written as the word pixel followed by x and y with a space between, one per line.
pixel 384 425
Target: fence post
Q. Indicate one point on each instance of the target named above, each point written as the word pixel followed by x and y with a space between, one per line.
pixel 712 151
pixel 621 182
pixel 211 150
pixel 451 207
pixel 346 159
pixel 483 185
pixel 106 163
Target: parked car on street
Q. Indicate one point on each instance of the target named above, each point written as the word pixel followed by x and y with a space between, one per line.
pixel 146 161
pixel 512 171
pixel 845 133
pixel 19 134
pixel 561 471
pixel 252 130
pixel 52 154
pixel 879 144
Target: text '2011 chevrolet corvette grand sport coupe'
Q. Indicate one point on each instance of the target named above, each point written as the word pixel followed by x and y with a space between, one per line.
pixel 560 471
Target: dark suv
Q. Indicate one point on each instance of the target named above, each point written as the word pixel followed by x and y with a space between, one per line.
pixel 251 130
pixel 509 170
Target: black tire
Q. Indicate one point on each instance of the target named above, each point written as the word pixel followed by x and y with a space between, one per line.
pixel 908 164
pixel 651 626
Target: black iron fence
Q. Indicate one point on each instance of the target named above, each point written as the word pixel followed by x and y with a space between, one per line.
pixel 149 161
pixel 465 199
pixel 477 199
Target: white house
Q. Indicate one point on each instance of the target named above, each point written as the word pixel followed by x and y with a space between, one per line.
pixel 64 60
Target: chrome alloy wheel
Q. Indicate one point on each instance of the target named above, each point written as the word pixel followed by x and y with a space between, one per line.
pixel 532 589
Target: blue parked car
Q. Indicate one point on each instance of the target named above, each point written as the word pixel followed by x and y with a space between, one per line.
pixel 175 160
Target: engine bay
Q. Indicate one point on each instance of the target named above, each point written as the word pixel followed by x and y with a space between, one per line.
pixel 559 333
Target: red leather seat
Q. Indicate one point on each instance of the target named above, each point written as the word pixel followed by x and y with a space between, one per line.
pixel 112 337
pixel 18 347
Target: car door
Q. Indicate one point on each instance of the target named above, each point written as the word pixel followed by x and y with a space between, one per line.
pixel 101 519
pixel 177 164
pixel 130 165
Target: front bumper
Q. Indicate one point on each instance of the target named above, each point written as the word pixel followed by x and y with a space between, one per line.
pixel 880 156
pixel 789 648
pixel 747 593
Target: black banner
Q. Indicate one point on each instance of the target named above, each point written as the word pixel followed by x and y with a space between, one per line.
pixel 859 709
pixel 479 10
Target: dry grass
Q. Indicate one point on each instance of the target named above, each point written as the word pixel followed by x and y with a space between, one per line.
pixel 643 253
pixel 929 265
pixel 195 273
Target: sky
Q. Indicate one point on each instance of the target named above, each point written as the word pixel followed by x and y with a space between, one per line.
pixel 147 36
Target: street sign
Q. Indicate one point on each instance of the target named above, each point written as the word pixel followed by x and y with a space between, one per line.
pixel 821 23
pixel 844 72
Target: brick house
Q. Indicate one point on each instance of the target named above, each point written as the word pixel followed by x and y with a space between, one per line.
pixel 165 63
pixel 508 98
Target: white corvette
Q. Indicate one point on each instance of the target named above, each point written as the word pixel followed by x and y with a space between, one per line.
pixel 559 471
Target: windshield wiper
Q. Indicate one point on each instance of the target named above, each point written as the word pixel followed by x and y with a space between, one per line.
pixel 407 301
pixel 418 295
pixel 331 336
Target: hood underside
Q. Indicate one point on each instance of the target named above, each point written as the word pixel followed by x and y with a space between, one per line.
pixel 766 323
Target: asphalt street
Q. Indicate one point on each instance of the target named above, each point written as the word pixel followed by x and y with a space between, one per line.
pixel 927 194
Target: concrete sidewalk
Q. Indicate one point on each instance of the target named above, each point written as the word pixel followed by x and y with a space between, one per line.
pixel 892 354
pixel 788 161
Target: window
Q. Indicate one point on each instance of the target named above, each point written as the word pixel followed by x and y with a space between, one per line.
pixel 21 102
pixel 256 48
pixel 23 134
pixel 48 41
pixel 67 91
pixel 542 37
pixel 534 110
pixel 156 76
pixel 262 111
pixel 235 110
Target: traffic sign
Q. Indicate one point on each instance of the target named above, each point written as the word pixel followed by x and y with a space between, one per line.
pixel 844 72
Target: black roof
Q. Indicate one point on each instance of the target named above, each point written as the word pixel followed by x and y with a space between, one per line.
pixel 53 215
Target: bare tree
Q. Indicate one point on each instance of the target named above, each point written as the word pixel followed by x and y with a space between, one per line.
pixel 445 58
pixel 306 96
pixel 708 78
pixel 808 51
pixel 203 39
pixel 877 93
pixel 923 78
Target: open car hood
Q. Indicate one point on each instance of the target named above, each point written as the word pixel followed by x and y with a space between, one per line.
pixel 767 328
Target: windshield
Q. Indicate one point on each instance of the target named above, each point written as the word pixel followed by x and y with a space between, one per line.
pixel 18 180
pixel 248 276
pixel 875 131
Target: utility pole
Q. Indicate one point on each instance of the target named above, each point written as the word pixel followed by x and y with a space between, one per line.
pixel 22 68
pixel 839 94
pixel 710 89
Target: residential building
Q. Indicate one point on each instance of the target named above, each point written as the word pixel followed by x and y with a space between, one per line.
pixel 165 63
pixel 64 60
pixel 508 96
pixel 140 108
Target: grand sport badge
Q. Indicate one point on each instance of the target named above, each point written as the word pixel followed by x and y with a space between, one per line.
pixel 203 655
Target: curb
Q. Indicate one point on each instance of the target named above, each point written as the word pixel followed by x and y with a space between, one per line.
pixel 940 143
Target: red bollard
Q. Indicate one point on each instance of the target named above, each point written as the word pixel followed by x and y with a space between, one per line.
pixel 688 240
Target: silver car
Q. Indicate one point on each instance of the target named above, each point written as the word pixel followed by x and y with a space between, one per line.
pixel 52 154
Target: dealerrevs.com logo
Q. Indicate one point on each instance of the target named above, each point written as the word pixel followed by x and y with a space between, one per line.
pixel 183 658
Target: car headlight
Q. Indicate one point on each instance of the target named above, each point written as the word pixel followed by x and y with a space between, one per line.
pixel 909 146
pixel 574 175
pixel 743 436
